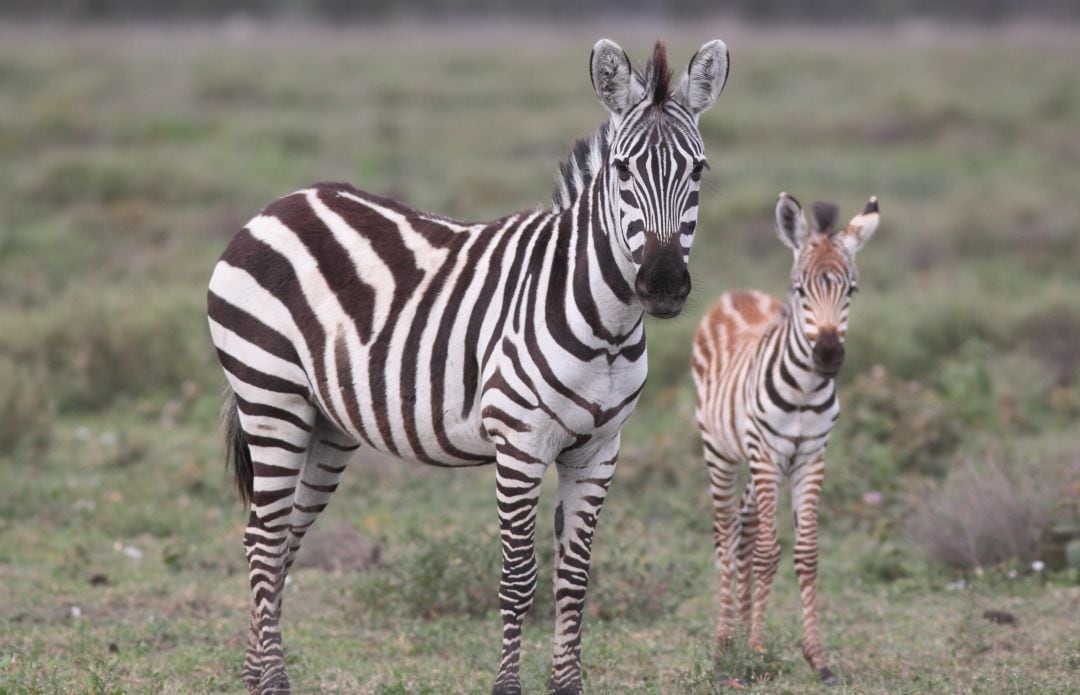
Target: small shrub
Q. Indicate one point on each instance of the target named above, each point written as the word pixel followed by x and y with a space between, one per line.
pixel 454 574
pixel 965 382
pixel 1052 335
pixel 887 564
pixel 889 431
pixel 742 662
pixel 632 581
pixel 980 516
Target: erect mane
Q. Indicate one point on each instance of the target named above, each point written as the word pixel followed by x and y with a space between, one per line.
pixel 825 216
pixel 581 165
pixel 657 77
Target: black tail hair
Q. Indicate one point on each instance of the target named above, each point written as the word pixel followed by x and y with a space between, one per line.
pixel 237 453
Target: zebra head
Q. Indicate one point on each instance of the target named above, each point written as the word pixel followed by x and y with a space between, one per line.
pixel 654 163
pixel 823 277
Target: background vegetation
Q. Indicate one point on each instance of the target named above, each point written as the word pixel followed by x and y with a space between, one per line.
pixel 128 157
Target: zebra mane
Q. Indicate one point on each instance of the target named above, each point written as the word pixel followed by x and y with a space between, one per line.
pixel 588 154
pixel 657 77
pixel 575 174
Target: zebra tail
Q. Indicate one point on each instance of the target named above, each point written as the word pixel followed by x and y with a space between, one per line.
pixel 237 453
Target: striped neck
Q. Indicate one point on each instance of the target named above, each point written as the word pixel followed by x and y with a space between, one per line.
pixel 603 274
pixel 797 361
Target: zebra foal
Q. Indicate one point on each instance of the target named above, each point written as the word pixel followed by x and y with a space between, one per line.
pixel 344 320
pixel 766 396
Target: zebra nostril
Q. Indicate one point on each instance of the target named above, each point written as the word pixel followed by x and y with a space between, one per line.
pixel 683 290
pixel 642 288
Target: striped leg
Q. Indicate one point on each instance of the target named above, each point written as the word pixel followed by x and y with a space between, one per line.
pixel 277 439
pixel 517 482
pixel 748 525
pixel 327 457
pixel 722 479
pixel 766 546
pixel 580 498
pixel 805 492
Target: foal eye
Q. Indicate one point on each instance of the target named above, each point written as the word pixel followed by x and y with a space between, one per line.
pixel 852 290
pixel 623 169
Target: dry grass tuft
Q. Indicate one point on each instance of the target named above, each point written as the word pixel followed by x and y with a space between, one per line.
pixel 980 516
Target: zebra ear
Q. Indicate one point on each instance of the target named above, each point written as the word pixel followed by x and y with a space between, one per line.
pixel 790 222
pixel 705 77
pixel 861 227
pixel 612 78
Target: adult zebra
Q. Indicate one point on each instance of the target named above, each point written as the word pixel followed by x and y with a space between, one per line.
pixel 346 320
pixel 766 395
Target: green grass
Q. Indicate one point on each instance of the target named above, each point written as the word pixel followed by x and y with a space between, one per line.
pixel 128 158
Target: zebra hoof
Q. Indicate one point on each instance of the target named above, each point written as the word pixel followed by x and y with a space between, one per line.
pixel 278 684
pixel 827 677
pixel 508 688
pixel 571 688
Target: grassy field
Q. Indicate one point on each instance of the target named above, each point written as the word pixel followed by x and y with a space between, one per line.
pixel 129 157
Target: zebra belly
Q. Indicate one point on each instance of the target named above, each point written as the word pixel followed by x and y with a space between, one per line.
pixel 412 410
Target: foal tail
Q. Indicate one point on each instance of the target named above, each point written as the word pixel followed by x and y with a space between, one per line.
pixel 237 453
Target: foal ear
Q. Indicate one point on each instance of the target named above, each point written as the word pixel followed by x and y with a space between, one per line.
pixel 705 77
pixel 612 78
pixel 790 222
pixel 861 227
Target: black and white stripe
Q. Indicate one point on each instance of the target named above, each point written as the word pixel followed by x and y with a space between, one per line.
pixel 348 321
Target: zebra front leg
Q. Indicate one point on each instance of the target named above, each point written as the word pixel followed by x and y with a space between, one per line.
pixel 766 545
pixel 805 492
pixel 517 481
pixel 580 497
pixel 722 478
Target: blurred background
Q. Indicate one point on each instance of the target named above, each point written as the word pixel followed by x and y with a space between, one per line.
pixel 136 137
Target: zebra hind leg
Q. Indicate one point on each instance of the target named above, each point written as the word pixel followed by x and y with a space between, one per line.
pixel 275 439
pixel 328 456
pixel 748 525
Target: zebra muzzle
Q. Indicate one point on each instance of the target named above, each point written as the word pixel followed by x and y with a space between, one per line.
pixel 663 283
pixel 828 354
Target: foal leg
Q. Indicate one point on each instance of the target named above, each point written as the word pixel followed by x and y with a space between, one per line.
pixel 805 492
pixel 722 478
pixel 766 546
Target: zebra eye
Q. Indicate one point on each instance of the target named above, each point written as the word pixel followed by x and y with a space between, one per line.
pixel 695 173
pixel 852 290
pixel 799 288
pixel 623 169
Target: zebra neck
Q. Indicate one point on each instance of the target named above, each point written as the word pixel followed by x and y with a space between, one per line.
pixel 796 363
pixel 603 274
